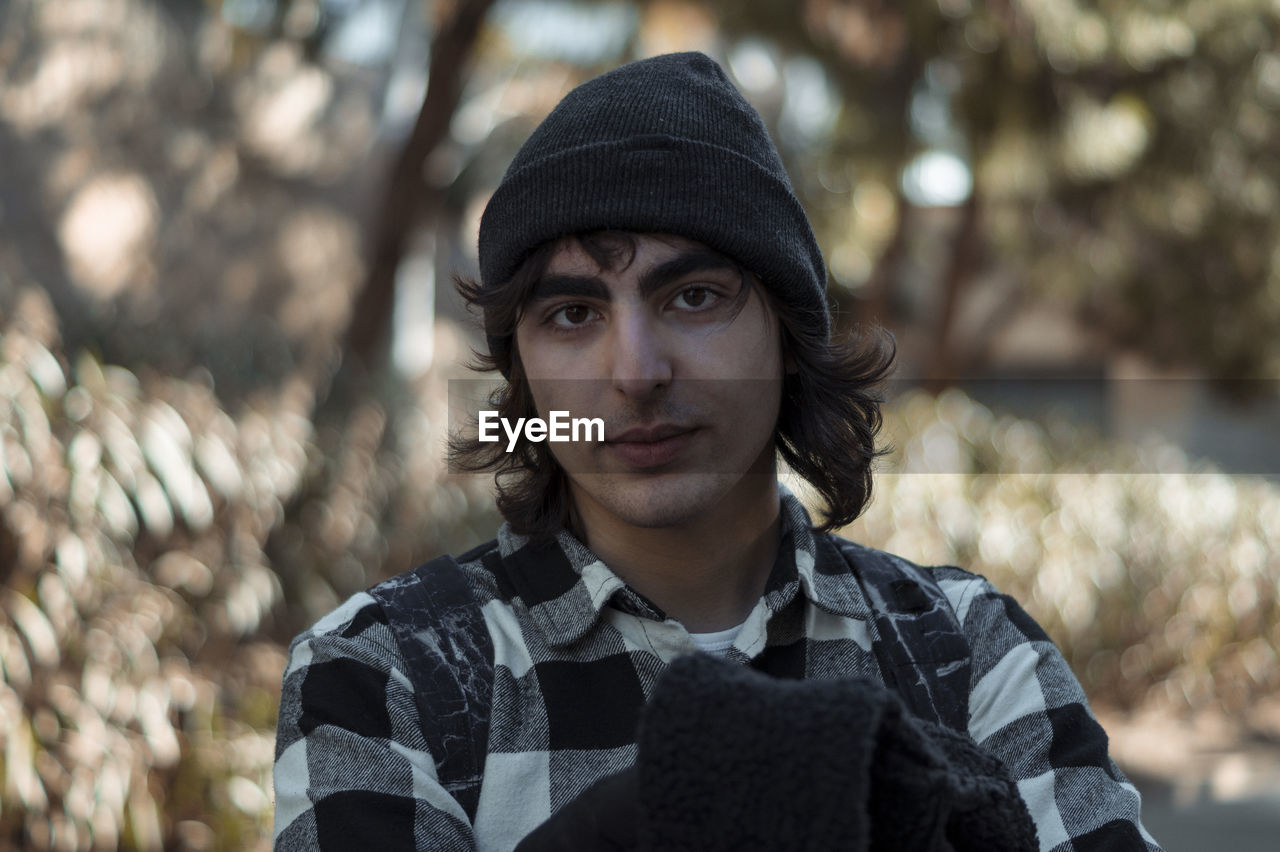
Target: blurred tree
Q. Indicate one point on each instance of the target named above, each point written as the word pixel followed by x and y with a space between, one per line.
pixel 1114 159
pixel 180 189
pixel 1119 160
pixel 1125 157
pixel 204 204
pixel 403 205
pixel 185 184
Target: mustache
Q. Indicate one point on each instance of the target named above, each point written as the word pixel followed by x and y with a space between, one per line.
pixel 668 418
pixel 595 398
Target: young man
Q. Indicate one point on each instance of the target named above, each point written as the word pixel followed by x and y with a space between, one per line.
pixel 645 262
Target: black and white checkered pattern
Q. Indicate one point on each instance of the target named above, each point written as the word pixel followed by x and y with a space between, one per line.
pixel 577 653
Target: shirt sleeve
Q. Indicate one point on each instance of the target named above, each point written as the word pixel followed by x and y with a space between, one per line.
pixel 1027 708
pixel 352 769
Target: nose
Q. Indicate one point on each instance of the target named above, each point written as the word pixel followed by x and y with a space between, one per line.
pixel 641 358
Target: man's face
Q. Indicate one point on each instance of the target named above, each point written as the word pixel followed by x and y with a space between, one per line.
pixel 680 356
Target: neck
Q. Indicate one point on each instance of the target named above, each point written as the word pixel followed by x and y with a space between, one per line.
pixel 708 572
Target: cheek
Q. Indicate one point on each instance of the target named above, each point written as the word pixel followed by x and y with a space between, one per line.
pixel 547 359
pixel 751 354
pixel 579 397
pixel 751 347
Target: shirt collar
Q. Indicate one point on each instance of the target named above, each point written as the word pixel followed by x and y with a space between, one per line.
pixel 816 564
pixel 565 586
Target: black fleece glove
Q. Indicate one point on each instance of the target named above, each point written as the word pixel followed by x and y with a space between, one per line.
pixel 731 759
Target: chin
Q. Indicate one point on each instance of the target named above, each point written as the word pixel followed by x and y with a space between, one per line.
pixel 655 501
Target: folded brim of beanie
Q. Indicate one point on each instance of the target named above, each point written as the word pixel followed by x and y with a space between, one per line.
pixel 732 759
pixel 661 184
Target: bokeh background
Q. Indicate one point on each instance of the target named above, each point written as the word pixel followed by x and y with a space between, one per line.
pixel 228 230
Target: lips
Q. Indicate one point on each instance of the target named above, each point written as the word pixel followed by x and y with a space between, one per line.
pixel 650 446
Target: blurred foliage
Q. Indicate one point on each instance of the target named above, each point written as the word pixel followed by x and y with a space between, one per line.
pixel 138 689
pixel 1125 156
pixel 185 191
pixel 184 194
pixel 1122 155
pixel 142 625
pixel 1158 577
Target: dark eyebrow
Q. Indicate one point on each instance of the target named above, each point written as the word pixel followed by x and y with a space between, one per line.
pixel 685 263
pixel 585 287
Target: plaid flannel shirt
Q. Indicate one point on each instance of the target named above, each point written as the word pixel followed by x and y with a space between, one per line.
pixel 577 653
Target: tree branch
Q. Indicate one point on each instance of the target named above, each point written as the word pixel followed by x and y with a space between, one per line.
pixel 407 195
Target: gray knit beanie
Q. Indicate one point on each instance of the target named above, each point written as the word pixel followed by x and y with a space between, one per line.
pixel 663 145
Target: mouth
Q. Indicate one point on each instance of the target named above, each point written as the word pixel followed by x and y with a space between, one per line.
pixel 650 446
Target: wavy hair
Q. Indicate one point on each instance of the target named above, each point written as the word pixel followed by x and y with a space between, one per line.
pixel 826 430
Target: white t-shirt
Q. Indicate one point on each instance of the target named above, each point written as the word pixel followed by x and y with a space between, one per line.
pixel 717 643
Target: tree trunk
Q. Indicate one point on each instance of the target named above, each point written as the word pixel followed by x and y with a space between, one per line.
pixel 945 362
pixel 407 195
pixel 878 305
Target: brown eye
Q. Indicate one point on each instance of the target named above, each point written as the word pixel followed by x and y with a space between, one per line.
pixel 694 297
pixel 571 315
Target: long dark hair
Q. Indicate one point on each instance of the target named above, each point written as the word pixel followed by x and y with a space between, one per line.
pixel 826 430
